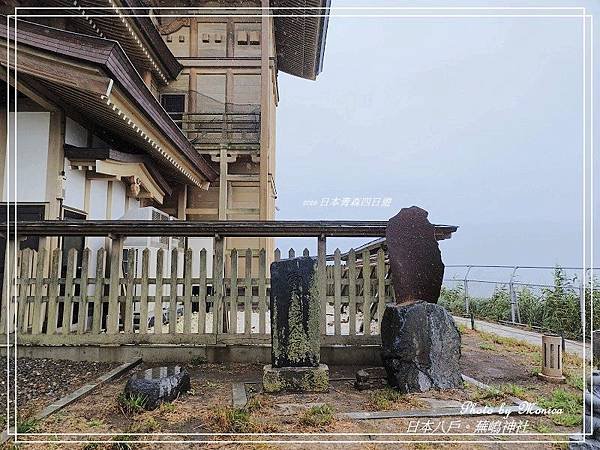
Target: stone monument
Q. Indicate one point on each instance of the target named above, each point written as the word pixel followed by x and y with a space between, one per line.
pixel 420 341
pixel 295 335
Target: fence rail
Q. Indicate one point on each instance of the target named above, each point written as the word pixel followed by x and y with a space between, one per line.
pixel 162 297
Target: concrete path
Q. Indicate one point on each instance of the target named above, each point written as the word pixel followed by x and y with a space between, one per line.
pixel 531 337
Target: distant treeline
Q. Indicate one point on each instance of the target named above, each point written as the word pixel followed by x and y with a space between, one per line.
pixel 554 309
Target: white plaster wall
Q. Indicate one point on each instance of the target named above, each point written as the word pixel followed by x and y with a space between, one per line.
pixel 75 134
pixel 74 187
pixel 33 130
pixel 118 200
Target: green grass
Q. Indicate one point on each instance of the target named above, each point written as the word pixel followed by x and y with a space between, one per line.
pixel 317 416
pixel 569 403
pixel 488 394
pixel 131 404
pixel 166 407
pixel 487 346
pixel 27 425
pixel 385 398
pixel 232 420
pixel 514 390
pixel 93 423
pixel 146 426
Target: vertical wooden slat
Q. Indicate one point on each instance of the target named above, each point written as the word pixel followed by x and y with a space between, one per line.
pixel 291 253
pixel 218 273
pixel 262 290
pixel 173 291
pixel 202 294
pixel 98 291
pixel 83 291
pixel 69 287
pixel 277 255
pixel 233 295
pixel 6 313
pixel 248 294
pixel 53 290
pixel 158 296
pixel 187 291
pixel 144 291
pixel 322 281
pixel 352 293
pixel 337 292
pixel 130 286
pixel 366 261
pixel 116 250
pixel 380 286
pixel 23 289
pixel 39 292
pixel 305 252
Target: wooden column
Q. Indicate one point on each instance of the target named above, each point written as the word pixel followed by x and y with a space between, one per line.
pixel 193 37
pixel 223 183
pixel 264 112
pixel 182 202
pixel 116 251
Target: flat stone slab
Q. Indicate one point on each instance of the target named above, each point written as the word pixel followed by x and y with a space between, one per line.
pixel 420 347
pixel 295 379
pixel 158 385
pixel 415 258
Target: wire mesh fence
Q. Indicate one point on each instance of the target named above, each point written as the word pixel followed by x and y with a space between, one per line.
pixel 562 300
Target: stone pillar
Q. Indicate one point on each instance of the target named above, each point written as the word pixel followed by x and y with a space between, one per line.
pixel 295 336
pixel 420 341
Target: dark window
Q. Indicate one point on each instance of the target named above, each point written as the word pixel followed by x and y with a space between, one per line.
pixel 174 105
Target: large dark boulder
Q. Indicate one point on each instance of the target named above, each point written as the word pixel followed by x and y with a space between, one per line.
pixel 158 385
pixel 415 258
pixel 420 347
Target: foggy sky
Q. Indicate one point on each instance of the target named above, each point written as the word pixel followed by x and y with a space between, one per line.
pixel 477 120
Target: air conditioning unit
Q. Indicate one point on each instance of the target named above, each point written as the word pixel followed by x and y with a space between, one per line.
pixel 153 244
pixel 147 213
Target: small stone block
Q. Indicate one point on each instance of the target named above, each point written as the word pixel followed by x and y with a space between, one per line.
pixel 295 379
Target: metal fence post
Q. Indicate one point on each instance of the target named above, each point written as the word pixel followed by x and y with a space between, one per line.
pixel 514 308
pixel 466 290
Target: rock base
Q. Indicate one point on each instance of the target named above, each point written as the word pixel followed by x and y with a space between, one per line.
pixel 295 379
pixel 420 347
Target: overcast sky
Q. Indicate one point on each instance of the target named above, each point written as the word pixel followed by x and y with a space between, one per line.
pixel 477 120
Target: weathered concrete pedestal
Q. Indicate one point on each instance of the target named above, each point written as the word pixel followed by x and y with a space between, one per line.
pixel 295 336
pixel 420 347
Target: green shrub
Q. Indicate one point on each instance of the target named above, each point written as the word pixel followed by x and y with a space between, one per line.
pixel 317 416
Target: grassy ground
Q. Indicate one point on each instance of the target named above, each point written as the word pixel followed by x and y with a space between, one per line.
pixel 509 366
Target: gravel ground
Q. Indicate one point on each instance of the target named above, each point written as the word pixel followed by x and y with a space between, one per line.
pixel 41 381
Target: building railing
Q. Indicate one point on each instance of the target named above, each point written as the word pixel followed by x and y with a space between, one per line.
pixel 108 298
pixel 220 127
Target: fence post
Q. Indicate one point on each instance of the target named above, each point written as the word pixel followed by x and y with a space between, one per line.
pixel 322 281
pixel 513 297
pixel 116 251
pixel 466 290
pixel 7 285
pixel 217 279
pixel 582 286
